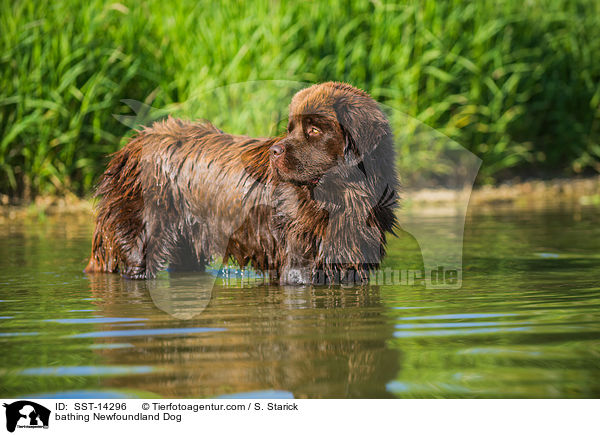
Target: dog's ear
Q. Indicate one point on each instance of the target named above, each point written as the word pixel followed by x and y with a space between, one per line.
pixel 351 152
pixel 363 125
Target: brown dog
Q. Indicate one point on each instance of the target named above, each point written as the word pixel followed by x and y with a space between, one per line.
pixel 313 205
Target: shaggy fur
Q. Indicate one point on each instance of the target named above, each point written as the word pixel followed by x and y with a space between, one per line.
pixel 312 205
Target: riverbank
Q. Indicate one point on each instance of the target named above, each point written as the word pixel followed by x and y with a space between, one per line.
pixel 535 193
pixel 528 194
pixel 45 206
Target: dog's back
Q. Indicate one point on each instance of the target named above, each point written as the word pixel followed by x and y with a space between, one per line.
pixel 176 193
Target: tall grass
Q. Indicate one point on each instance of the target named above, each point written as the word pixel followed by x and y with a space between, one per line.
pixel 516 82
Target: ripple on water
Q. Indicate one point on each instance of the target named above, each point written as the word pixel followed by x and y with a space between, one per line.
pixel 97 320
pixel 17 334
pixel 83 394
pixel 86 370
pixel 262 394
pixel 111 346
pixel 146 332
pixel 460 316
pixel 427 329
pixel 448 325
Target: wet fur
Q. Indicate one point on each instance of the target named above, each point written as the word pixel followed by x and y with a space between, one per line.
pixel 181 193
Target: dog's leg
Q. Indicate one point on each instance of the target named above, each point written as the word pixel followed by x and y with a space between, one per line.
pixel 294 225
pixel 104 256
pixel 133 256
pixel 185 258
pixel 296 271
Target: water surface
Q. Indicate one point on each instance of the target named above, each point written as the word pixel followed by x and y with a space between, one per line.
pixel 524 324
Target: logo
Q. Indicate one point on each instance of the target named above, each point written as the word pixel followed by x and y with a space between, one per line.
pixel 26 414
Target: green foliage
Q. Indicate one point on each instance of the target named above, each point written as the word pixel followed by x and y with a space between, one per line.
pixel 517 83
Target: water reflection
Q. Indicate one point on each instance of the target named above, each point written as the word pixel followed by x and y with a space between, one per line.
pixel 524 324
pixel 219 340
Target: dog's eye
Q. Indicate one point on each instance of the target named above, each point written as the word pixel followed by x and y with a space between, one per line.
pixel 313 131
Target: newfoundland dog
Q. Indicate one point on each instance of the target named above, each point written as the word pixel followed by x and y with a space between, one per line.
pixel 310 206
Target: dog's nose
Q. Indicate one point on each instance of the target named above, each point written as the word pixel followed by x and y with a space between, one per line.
pixel 277 150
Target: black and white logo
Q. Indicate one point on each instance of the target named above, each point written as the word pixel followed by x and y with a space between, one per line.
pixel 26 414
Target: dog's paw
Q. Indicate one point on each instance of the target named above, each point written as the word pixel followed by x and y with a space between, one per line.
pixel 136 273
pixel 296 276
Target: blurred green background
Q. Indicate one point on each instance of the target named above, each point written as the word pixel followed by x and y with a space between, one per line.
pixel 516 82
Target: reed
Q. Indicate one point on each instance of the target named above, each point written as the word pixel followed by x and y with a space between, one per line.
pixel 515 82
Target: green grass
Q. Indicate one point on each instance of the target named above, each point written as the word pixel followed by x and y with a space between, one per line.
pixel 515 82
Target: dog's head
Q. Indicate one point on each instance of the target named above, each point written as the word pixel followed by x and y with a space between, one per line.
pixel 329 124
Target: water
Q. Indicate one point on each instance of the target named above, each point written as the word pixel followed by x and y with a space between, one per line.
pixel 524 324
